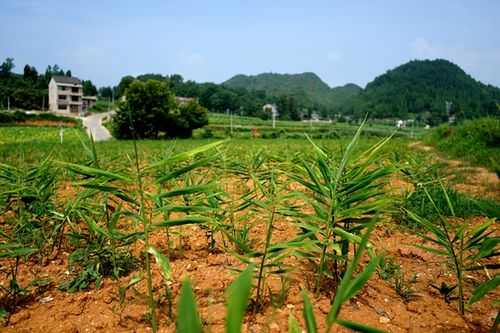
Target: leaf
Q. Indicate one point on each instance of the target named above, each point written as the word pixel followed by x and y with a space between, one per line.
pixel 484 288
pixel 162 261
pixel 361 279
pixel 188 319
pixel 293 324
pixel 17 252
pixel 238 296
pixel 94 172
pixel 185 155
pixel 188 219
pixel 358 327
pixel 178 172
pixel 309 314
pixel 123 290
pixel 195 189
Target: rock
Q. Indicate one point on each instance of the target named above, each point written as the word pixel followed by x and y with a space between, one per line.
pixel 46 300
pixel 384 320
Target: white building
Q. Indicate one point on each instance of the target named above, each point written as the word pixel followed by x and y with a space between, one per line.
pixel 66 95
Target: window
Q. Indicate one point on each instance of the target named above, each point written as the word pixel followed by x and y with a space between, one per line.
pixel 62 88
pixel 62 107
pixel 75 98
pixel 75 90
pixel 62 96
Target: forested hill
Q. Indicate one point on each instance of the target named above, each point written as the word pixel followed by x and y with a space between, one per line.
pixel 421 88
pixel 305 85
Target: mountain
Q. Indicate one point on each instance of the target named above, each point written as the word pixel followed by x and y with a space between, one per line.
pixel 305 85
pixel 421 88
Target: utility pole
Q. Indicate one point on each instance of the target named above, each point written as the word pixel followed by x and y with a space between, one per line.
pixel 274 112
pixel 230 114
pixel 8 103
pixel 43 103
pixel 231 118
pixel 448 109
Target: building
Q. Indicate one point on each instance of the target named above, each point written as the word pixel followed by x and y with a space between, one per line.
pixel 184 100
pixel 270 108
pixel 65 95
pixel 88 102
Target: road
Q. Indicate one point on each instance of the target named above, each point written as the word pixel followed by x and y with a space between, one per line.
pixel 93 124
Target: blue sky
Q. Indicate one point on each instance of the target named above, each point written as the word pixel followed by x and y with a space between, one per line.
pixel 341 41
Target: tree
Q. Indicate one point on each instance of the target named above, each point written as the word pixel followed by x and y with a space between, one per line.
pixel 191 115
pixel 106 92
pixel 150 109
pixel 88 88
pixel 6 67
pixel 68 73
pixel 124 84
pixel 30 73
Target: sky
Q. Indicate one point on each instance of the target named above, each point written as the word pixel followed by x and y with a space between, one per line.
pixel 212 40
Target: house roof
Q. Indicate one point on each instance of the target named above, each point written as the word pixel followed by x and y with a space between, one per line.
pixel 66 79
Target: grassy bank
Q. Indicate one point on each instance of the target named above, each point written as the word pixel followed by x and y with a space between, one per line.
pixel 477 141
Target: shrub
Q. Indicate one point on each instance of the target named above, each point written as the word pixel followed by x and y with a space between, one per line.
pixel 150 110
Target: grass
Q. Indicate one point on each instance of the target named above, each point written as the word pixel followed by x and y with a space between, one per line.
pixel 219 126
pixel 477 141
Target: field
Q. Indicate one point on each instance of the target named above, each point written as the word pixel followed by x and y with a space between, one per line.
pixel 220 126
pixel 282 234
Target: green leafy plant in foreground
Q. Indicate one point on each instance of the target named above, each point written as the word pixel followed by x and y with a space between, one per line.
pixel 267 199
pixel 344 195
pixel 467 247
pixel 141 208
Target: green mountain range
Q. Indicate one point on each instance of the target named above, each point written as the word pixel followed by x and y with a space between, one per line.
pixel 305 85
pixel 418 89
pixel 431 90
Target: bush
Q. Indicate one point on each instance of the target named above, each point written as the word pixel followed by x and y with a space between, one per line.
pixel 150 110
pixel 477 140
pixel 19 117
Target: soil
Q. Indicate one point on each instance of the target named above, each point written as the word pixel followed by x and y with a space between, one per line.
pixel 47 123
pixel 378 304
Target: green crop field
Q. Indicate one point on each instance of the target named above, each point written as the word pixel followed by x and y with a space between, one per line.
pixel 282 223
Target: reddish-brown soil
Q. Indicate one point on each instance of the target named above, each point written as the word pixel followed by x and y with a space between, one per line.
pixel 378 304
pixel 47 123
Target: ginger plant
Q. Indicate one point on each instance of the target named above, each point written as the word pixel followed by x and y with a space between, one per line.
pixel 466 247
pixel 344 195
pixel 142 207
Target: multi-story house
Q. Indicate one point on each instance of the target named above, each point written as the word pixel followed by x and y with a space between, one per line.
pixel 65 95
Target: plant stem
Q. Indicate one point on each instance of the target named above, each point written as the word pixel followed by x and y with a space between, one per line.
pixel 145 223
pixel 264 254
pixel 496 323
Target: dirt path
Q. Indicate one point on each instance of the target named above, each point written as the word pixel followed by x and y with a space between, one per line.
pixel 478 181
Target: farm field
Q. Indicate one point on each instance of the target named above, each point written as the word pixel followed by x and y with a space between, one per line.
pixel 95 236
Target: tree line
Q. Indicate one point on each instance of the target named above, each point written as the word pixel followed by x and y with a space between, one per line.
pixel 221 99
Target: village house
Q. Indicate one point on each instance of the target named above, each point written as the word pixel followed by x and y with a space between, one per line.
pixel 66 96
